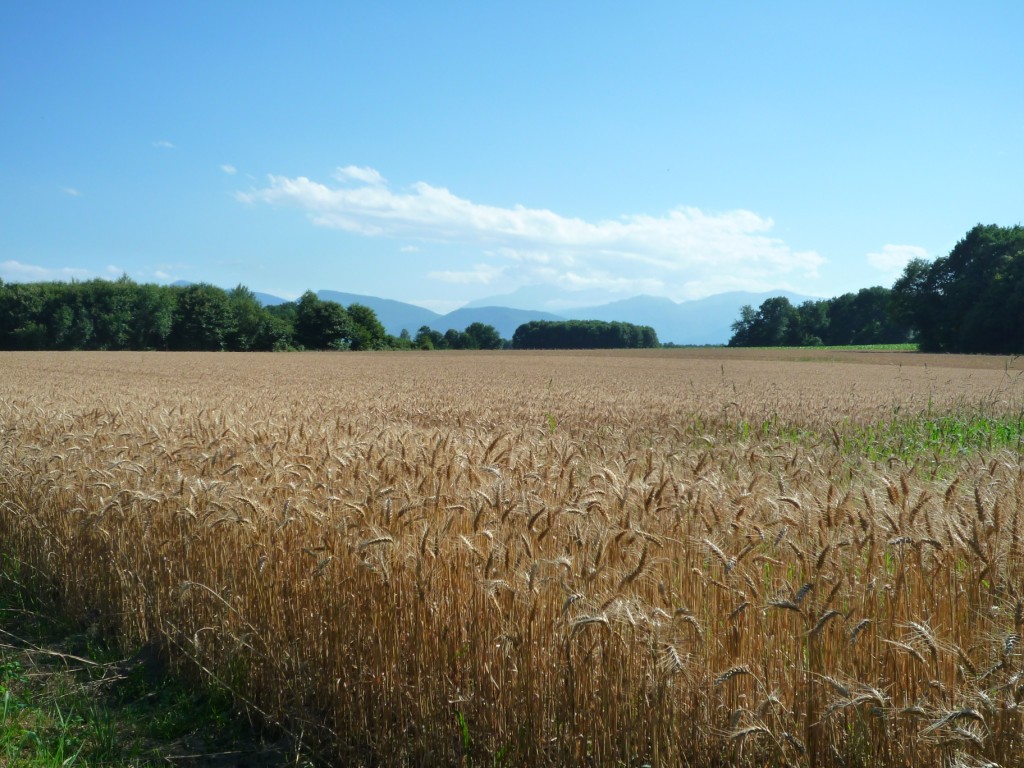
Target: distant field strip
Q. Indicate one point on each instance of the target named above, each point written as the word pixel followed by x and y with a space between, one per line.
pixel 678 557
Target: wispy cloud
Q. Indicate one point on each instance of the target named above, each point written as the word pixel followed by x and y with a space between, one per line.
pixel 71 191
pixel 684 253
pixel 229 169
pixel 19 272
pixel 891 260
pixel 357 173
pixel 605 281
pixel 163 144
pixel 481 274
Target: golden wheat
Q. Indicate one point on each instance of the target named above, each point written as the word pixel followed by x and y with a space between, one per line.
pixel 543 559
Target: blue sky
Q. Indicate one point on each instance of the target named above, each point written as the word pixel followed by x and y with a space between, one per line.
pixel 442 152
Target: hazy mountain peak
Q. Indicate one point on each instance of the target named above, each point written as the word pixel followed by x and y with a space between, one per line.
pixel 699 321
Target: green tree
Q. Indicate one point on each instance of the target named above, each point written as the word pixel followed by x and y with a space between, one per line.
pixel 454 339
pixel 367 330
pixel 582 334
pixel 154 310
pixel 744 328
pixel 202 318
pixel 21 311
pixel 971 300
pixel 864 317
pixel 484 336
pixel 112 312
pixel 428 338
pixel 248 321
pixel 322 324
pixel 776 323
pixel 812 323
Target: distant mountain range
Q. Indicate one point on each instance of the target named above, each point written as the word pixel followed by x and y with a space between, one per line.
pixel 396 315
pixel 268 300
pixel 701 321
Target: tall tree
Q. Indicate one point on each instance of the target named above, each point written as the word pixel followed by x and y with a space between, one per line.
pixel 322 324
pixel 202 318
pixel 774 324
pixel 247 320
pixel 154 310
pixel 971 300
pixel 367 331
pixel 428 338
pixel 484 336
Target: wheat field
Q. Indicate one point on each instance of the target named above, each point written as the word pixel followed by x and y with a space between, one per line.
pixel 702 557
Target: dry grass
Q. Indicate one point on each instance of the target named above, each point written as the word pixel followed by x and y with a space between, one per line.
pixel 594 559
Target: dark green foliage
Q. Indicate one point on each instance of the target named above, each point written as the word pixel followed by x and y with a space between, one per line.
pixel 583 334
pixel 367 331
pixel 112 312
pixel 483 336
pixel 859 318
pixel 247 320
pixel 775 324
pixel 105 315
pixel 455 340
pixel 155 308
pixel 428 338
pixel 321 324
pixel 203 321
pixel 403 341
pixel 476 336
pixel 971 300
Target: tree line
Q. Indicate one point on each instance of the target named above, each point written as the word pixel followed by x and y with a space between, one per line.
pixel 971 300
pixel 583 334
pixel 124 315
pixel 863 317
pixel 476 336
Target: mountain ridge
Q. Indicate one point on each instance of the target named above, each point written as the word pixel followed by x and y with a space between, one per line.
pixel 697 322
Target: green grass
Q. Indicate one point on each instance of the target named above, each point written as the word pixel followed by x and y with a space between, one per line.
pixel 867 348
pixel 910 347
pixel 937 438
pixel 68 698
pixel 934 441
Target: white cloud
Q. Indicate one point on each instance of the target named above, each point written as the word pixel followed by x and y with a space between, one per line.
pixel 607 282
pixel 534 257
pixel 163 144
pixel 18 272
pixel 686 251
pixel 482 274
pixel 409 249
pixel 357 173
pixel 229 169
pixel 161 275
pixel 71 191
pixel 891 260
